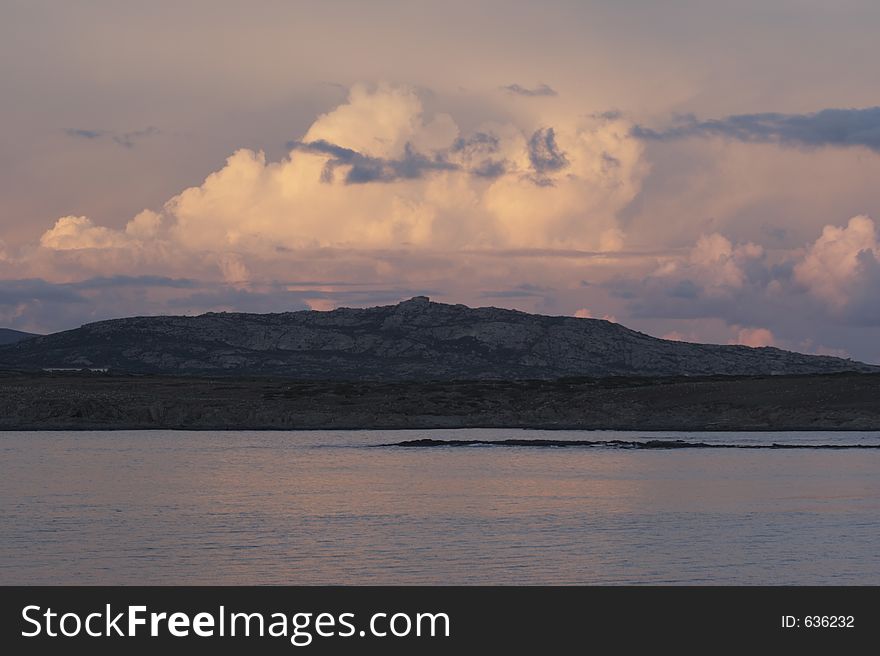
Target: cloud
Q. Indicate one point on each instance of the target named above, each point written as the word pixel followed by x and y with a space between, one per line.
pixel 381 121
pixel 482 142
pixel 829 127
pixel 15 292
pixel 584 313
pixel 819 299
pixel 754 337
pixel 104 282
pixel 124 139
pixel 85 134
pixel 715 262
pixel 363 169
pixel 544 153
pixel 538 91
pixel 608 115
pixel 841 261
pixel 524 290
pixel 78 232
pixel 237 299
pixel 477 154
pixel 128 139
pixel 381 172
pixel 489 169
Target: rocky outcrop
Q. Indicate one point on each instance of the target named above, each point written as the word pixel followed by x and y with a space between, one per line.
pixel 413 340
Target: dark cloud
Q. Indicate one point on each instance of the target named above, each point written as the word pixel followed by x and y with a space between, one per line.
pixel 829 127
pixel 124 139
pixel 37 288
pixel 540 90
pixel 324 147
pixel 364 168
pixel 85 134
pixel 510 293
pixel 863 308
pixel 413 165
pixel 608 115
pixel 568 253
pixel 479 141
pixel 17 292
pixel 685 289
pixel 545 155
pixel 658 298
pixel 525 290
pixel 489 169
pixel 476 148
pixel 134 281
pixel 128 139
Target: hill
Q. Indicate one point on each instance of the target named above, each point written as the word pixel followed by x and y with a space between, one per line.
pixel 413 340
pixel 9 336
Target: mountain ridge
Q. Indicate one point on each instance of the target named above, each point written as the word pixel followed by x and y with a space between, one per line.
pixel 416 339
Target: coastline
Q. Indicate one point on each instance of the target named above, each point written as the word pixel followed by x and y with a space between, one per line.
pixel 80 401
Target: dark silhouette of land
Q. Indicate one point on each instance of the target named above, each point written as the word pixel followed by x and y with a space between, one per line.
pixel 417 364
pixel 10 336
pixel 845 401
pixel 643 445
pixel 416 340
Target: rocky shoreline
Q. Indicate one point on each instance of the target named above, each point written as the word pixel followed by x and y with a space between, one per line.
pixel 81 401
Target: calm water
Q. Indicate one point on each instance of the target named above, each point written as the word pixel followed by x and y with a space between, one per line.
pixel 325 507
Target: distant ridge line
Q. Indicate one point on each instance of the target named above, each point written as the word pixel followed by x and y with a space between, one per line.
pixel 414 340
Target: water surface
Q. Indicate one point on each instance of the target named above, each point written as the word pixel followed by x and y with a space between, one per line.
pixel 331 507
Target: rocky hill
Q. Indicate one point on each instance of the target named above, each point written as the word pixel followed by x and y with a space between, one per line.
pixel 413 340
pixel 9 336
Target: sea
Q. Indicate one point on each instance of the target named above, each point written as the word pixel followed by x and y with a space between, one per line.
pixel 466 506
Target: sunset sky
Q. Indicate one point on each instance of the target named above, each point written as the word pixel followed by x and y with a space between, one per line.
pixel 704 171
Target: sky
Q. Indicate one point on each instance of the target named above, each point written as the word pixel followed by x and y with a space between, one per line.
pixel 696 170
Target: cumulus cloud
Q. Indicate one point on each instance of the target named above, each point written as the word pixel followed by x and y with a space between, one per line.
pixel 840 261
pixel 821 299
pixel 714 265
pixel 78 232
pixel 439 188
pixel 754 337
pixel 540 90
pixel 829 127
pixel 381 122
